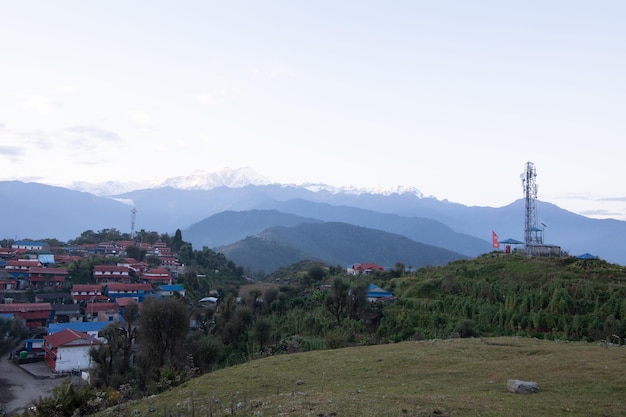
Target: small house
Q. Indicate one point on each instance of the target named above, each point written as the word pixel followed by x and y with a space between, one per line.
pixel 68 350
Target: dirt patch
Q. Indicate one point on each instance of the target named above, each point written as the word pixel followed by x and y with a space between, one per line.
pixel 19 389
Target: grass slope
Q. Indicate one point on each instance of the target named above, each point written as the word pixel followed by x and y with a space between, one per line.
pixel 453 377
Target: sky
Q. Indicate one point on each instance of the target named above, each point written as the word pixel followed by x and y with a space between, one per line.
pixel 450 97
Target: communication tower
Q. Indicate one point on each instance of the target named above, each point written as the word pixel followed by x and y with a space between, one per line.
pixel 133 214
pixel 533 235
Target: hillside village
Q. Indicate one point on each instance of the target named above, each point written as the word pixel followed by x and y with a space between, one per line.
pixel 36 286
pixel 68 298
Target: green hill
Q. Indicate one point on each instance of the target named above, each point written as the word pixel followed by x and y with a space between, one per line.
pixel 335 244
pixel 498 294
pixel 455 377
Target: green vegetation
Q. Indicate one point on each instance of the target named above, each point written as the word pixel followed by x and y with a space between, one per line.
pixel 312 307
pixel 454 377
pixel 557 298
pixel 12 331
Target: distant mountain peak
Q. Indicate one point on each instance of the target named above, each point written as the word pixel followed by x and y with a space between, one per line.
pixel 206 180
pixel 228 177
pixel 350 189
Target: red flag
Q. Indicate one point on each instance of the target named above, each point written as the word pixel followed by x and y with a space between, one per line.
pixel 494 238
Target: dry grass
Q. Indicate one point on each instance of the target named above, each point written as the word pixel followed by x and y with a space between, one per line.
pixel 457 377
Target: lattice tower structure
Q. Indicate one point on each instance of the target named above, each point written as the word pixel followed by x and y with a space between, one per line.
pixel 532 233
pixel 133 215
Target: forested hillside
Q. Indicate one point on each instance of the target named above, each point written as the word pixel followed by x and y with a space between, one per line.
pixel 497 294
pixel 335 244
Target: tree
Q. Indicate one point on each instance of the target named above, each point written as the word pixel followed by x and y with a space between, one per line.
pixel 337 299
pixel 177 241
pixel 358 300
pixel 163 326
pixel 136 252
pixel 153 260
pixel 316 273
pixel 269 296
pixel 254 295
pixel 131 316
pixel 262 332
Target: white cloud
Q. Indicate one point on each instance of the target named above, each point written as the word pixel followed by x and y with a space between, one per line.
pixel 140 119
pixel 93 132
pixel 39 103
pixel 276 72
pixel 219 97
pixel 66 89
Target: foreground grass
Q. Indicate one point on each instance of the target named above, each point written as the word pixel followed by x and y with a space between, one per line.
pixel 456 377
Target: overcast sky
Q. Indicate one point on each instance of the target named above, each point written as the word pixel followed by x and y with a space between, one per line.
pixel 451 97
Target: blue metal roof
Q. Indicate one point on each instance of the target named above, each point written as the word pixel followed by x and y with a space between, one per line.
pixel 172 287
pixel 375 291
pixel 29 243
pixel 80 326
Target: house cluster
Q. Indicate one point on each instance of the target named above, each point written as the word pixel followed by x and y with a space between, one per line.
pixel 72 320
pixel 35 265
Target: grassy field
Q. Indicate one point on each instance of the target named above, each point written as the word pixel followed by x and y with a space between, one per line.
pixel 454 377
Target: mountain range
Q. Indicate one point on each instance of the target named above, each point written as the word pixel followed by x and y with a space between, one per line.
pixel 229 217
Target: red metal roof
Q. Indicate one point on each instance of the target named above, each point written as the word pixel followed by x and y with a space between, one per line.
pixel 54 271
pixel 88 298
pixel 29 263
pixel 110 268
pixel 24 307
pixel 124 301
pixel 116 286
pixel 66 336
pixel 156 273
pixel 86 288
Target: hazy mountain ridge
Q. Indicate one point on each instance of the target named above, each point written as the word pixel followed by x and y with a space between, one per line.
pixel 231 226
pixel 228 227
pixel 333 243
pixel 35 211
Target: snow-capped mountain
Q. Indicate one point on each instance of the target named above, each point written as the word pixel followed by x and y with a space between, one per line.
pixel 207 180
pixel 227 177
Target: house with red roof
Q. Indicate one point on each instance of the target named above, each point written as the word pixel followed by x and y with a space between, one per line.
pixel 33 314
pixel 20 268
pixel 168 261
pixel 8 284
pixel 6 253
pixel 102 312
pixel 68 350
pixel 364 269
pixel 156 275
pixel 39 277
pixel 88 293
pixel 124 243
pixel 111 273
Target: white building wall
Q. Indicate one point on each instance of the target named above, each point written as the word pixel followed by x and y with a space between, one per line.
pixel 69 358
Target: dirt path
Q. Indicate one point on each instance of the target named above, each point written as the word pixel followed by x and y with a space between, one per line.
pixel 19 389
